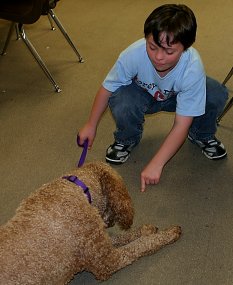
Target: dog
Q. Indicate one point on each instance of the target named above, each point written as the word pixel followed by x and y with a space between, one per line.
pixel 60 230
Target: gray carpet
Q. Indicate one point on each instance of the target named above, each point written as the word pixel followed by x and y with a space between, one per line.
pixel 39 127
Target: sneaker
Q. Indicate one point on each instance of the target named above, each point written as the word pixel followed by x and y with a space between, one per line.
pixel 213 149
pixel 118 153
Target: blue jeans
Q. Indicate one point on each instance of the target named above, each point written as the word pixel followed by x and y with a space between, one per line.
pixel 129 105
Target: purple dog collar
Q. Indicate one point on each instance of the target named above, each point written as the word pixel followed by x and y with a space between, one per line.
pixel 74 179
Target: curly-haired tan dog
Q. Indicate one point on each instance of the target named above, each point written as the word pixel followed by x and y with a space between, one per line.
pixel 57 233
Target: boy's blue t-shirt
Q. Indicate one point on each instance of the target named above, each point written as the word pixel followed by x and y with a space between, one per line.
pixel 187 79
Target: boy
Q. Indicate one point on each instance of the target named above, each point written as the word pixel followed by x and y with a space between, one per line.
pixel 161 72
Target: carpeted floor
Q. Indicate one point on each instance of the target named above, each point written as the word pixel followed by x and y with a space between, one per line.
pixel 39 127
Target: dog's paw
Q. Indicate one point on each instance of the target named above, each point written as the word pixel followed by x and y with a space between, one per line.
pixel 173 233
pixel 147 230
pixel 177 231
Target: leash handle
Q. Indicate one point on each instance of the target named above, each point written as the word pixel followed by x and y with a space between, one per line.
pixel 84 152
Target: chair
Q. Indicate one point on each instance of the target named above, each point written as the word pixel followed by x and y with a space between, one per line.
pixel 21 12
pixel 230 103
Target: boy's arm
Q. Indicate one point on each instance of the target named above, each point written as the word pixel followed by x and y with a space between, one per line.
pixel 174 140
pixel 100 104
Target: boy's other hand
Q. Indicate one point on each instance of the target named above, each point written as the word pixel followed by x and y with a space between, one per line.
pixel 150 176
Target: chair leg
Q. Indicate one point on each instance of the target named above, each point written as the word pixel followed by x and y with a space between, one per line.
pixel 8 38
pixel 37 57
pixel 228 76
pixel 51 22
pixel 17 32
pixel 230 103
pixel 63 31
pixel 226 109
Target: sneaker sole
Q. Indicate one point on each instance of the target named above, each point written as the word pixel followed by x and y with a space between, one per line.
pixel 214 158
pixel 117 162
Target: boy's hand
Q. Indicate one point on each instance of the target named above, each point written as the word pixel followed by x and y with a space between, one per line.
pixel 87 132
pixel 150 175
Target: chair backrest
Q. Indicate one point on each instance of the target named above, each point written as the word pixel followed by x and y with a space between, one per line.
pixel 25 11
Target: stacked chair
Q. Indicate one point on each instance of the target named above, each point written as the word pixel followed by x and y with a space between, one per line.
pixel 20 12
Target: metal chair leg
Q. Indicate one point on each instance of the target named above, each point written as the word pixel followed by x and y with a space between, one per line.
pixel 230 103
pixel 37 57
pixel 225 110
pixel 63 31
pixel 17 32
pixel 8 38
pixel 51 23
pixel 228 76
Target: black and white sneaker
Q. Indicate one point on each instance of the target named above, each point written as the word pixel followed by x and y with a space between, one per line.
pixel 213 149
pixel 118 153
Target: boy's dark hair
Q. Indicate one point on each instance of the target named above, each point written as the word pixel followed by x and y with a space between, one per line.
pixel 177 21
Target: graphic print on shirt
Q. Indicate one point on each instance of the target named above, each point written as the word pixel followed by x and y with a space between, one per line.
pixel 154 90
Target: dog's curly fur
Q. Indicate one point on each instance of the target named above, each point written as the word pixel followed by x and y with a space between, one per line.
pixel 57 233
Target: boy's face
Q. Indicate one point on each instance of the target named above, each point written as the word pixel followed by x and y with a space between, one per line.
pixel 163 58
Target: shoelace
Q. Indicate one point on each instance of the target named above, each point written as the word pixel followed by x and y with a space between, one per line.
pixel 118 146
pixel 212 142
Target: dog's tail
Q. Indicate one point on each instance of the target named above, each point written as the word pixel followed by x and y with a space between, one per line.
pixel 116 192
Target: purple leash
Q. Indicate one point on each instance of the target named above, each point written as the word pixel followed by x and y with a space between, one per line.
pixel 73 178
pixel 84 152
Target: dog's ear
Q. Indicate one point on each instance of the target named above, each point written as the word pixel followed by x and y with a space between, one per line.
pixel 115 190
